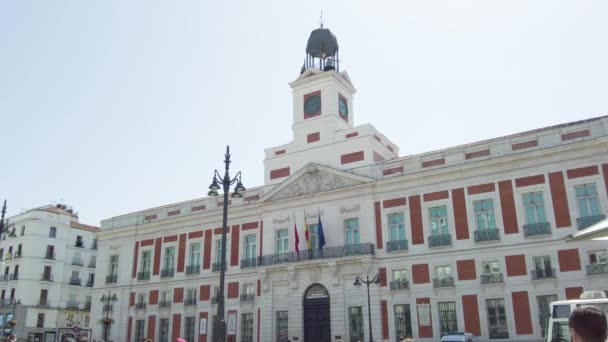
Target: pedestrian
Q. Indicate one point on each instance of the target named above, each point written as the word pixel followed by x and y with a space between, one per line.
pixel 588 324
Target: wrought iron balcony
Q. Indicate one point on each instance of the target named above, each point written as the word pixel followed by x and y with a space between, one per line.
pixel 90 283
pixel 111 279
pixel 14 276
pixel 440 240
pixel 539 273
pixel 492 278
pixel 164 304
pixel 72 306
pixel 594 269
pixel 4 277
pixel 248 263
pixel 46 277
pixel 92 265
pixel 193 269
pixel 143 275
pixel 443 282
pixel 77 262
pixel 400 285
pixel 214 299
pixel 140 305
pixel 18 254
pixel 536 229
pixel 486 235
pixel 584 222
pixel 247 297
pixel 75 281
pixel 50 255
pixel 215 267
pixel 108 307
pixel 87 306
pixel 79 244
pixel 190 301
pixel 7 301
pixel 397 245
pixel 166 273
pixel 44 303
pixel 317 254
pixel 494 334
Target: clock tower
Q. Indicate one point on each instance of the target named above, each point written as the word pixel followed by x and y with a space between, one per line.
pixel 323 121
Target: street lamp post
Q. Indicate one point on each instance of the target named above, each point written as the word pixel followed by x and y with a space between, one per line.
pixel 219 334
pixel 5 226
pixel 375 280
pixel 107 321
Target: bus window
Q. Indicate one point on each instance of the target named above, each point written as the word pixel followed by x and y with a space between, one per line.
pixel 561 332
pixel 561 311
pixel 601 306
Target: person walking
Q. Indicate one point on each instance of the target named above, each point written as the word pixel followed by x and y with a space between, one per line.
pixel 588 324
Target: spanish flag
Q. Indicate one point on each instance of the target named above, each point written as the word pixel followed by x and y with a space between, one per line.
pixel 306 232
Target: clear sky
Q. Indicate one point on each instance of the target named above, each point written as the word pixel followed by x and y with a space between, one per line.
pixel 114 106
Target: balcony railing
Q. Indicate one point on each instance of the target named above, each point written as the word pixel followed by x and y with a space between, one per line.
pixel 498 335
pixel 4 277
pixel 50 255
pixel 87 306
pixel 215 267
pixel 166 273
pixel 193 269
pixel 92 265
pixel 111 279
pixel 492 278
pixel 7 301
pixel 247 297
pixel 140 305
pixel 79 244
pixel 72 306
pixel 46 277
pixel 44 303
pixel 14 276
pixel 443 282
pixel 539 273
pixel 248 263
pixel 593 269
pixel 164 304
pixel 108 307
pixel 398 245
pixel 486 235
pixel 190 301
pixel 143 275
pixel 214 300
pixel 75 281
pixel 584 222
pixel 90 283
pixel 317 254
pixel 77 262
pixel 18 254
pixel 400 285
pixel 536 229
pixel 440 240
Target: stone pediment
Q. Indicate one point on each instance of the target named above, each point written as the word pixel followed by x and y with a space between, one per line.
pixel 313 179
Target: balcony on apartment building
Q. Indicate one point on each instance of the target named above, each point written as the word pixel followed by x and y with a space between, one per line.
pixel 397 245
pixel 90 283
pixel 215 267
pixel 8 301
pixel 440 240
pixel 443 282
pixel 87 306
pixel 248 263
pixel 193 269
pixel 537 229
pixel 598 268
pixel 92 264
pixel 143 275
pixel 79 244
pixel 49 255
pixel 247 297
pixel 167 273
pixel 400 285
pixel 75 281
pixel 4 277
pixel 14 276
pixel 540 273
pixel 111 279
pixel 71 305
pixel 18 254
pixel 190 301
pixel 140 305
pixel 317 254
pixel 492 278
pixel 77 262
pixel 43 303
pixel 46 277
pixel 164 304
pixel 486 235
pixel 584 222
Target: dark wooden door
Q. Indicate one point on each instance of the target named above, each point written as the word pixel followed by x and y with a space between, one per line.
pixel 317 324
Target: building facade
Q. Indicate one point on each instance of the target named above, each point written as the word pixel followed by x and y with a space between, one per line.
pixel 469 238
pixel 48 264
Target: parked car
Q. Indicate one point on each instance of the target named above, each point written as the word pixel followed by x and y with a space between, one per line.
pixel 458 337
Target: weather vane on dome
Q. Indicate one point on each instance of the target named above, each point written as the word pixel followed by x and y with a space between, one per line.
pixel 321 19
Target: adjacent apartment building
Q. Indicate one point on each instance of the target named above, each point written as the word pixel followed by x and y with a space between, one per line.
pixel 468 238
pixel 48 264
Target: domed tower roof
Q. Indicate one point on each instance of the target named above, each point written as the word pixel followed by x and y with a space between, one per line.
pixel 322 43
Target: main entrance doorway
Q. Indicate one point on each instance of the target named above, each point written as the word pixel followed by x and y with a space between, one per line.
pixel 316 314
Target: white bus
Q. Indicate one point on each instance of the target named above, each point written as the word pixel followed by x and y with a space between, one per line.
pixel 560 312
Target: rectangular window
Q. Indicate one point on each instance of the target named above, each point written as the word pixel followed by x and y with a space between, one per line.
pixel 94 245
pixel 247 327
pixel 598 257
pixel 93 261
pixel 77 259
pixel 141 299
pixel 218 251
pixel 403 321
pixel 190 328
pixel 40 321
pixel 163 330
pixel 195 254
pixel 22 230
pixel 139 330
pixel 490 267
pixel 282 332
pixel 75 275
pixel 165 296
pixel 497 319
pixel 191 295
pixel 447 317
pixel 87 321
pixel 355 323
pixel 248 288
pixel 46 275
pixel 534 207
pixel 396 227
pixel 351 231
pixel 169 258
pixel 79 242
pixel 400 275
pixel 542 267
pixel 113 265
pixel 439 220
pixel 484 214
pixel 586 198
pixel 544 311
pixel 53 232
pixel 282 243
pixel 43 296
pixel 50 252
pixel 443 272
pixel 250 246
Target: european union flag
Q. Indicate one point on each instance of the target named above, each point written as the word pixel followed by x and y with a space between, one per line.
pixel 321 234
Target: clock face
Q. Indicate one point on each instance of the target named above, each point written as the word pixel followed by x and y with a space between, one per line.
pixel 312 104
pixel 343 107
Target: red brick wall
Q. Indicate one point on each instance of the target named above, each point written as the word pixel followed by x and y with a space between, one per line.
pixel 352 157
pixel 170 238
pixel 205 315
pixel 420 274
pixel 521 310
pixel 132 299
pixel 178 295
pixel 181 253
pixel 573 292
pixel 279 173
pixel 382 274
pixel 261 234
pixel 395 202
pixel 424 331
pixel 204 292
pixel 523 145
pixel 435 162
pixel 196 235
pixel 313 137
pixel 605 172
pixel 151 326
pixel 233 289
pixel 135 255
pixel 153 297
pixel 234 245
pixel 250 225
pixel 157 250
pixel 560 199
pixel 259 287
pixel 416 220
pixel 477 154
pixel 384 311
pixel 207 249
pixel 147 242
pixel 393 170
pixel 460 214
pixel 583 172
pixel 507 205
pixel 569 260
pixel 481 188
pixel 574 135
pixel 434 196
pixel 129 328
pixel 470 309
pixel 176 329
pixel 516 265
pixel 352 135
pixel 466 269
pixel 378 213
pixel 531 180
